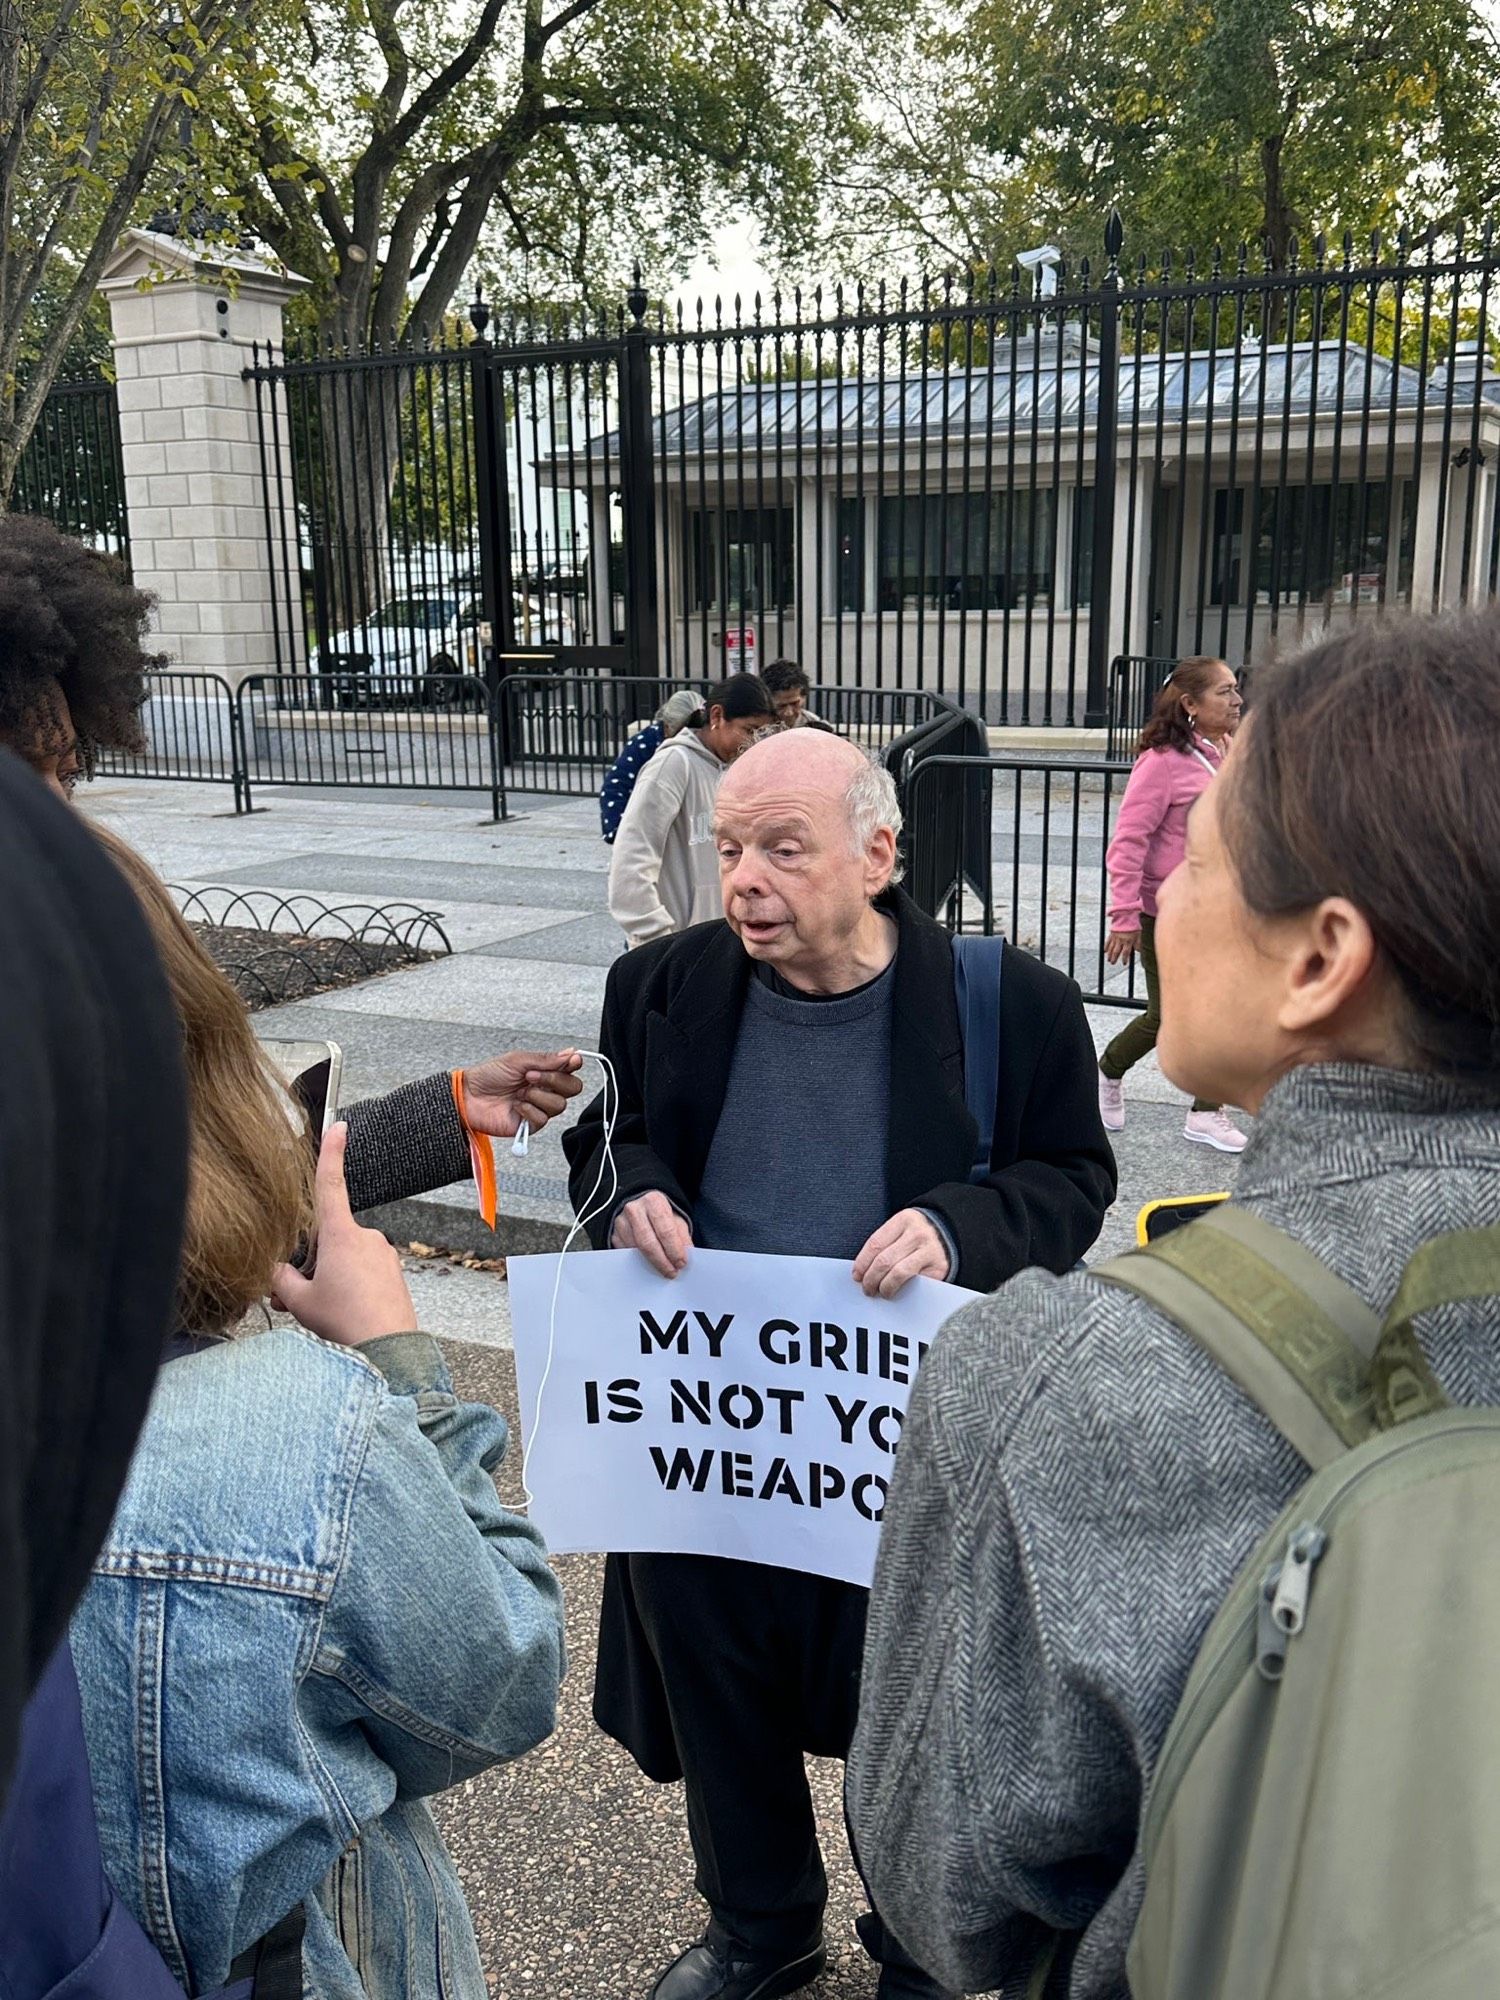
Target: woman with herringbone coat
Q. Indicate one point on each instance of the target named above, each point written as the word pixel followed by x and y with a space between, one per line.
pixel 1079 1483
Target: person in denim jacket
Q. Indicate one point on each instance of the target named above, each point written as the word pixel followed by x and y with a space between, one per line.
pixel 311 1612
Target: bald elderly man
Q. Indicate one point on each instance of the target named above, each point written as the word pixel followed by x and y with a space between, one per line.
pixel 792 1084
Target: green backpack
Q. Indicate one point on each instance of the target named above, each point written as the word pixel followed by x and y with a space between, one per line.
pixel 1324 1822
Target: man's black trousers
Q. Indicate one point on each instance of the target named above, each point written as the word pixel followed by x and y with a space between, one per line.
pixel 759 1666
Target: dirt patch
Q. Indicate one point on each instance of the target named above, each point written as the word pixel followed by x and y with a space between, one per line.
pixel 269 967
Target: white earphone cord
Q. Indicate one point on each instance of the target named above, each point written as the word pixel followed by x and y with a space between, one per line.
pixel 592 1207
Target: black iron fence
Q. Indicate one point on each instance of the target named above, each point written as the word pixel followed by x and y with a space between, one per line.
pixel 1017 845
pixel 72 470
pixel 548 734
pixel 977 490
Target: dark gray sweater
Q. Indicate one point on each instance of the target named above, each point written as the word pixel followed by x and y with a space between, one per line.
pixel 797 1165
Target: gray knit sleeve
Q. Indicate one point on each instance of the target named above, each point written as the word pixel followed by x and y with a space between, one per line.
pixel 404 1144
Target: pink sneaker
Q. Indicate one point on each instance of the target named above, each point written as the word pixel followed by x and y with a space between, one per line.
pixel 1112 1103
pixel 1216 1129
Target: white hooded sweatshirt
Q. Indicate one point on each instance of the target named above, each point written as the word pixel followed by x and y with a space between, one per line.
pixel 663 870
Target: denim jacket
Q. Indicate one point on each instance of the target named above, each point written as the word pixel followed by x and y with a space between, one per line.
pixel 311 1613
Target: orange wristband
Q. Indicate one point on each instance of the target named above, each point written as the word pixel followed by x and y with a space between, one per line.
pixel 481 1155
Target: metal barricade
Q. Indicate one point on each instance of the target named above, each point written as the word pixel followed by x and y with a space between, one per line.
pixel 427 733
pixel 1135 680
pixel 1047 829
pixel 561 732
pixel 191 727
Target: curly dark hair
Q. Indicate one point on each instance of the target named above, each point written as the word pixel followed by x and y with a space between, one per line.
pixel 69 618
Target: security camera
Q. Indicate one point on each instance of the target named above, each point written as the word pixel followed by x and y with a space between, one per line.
pixel 1042 262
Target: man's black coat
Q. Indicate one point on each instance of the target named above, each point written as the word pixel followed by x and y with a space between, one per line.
pixel 671 1016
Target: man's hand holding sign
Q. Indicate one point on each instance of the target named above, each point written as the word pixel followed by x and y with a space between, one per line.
pixel 796 1177
pixel 906 1247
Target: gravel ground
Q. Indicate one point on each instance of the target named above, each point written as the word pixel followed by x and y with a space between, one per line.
pixel 577 1868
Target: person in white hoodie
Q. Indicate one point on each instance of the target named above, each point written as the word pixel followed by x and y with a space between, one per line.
pixel 664 872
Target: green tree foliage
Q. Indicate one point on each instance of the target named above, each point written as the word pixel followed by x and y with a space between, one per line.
pixel 92 99
pixel 1205 121
pixel 387 148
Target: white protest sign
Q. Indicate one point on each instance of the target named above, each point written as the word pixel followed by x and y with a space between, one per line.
pixel 749 1407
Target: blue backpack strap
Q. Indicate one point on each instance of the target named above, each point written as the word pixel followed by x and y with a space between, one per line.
pixel 977 963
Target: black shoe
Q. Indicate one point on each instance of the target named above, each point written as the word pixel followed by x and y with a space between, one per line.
pixel 709 1970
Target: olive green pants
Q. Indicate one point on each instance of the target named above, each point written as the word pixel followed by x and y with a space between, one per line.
pixel 1138 1037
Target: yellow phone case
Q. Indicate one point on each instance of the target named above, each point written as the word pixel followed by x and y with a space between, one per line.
pixel 1174 1211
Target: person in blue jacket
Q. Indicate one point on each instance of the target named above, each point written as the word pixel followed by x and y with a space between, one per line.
pixel 619 780
pixel 311 1611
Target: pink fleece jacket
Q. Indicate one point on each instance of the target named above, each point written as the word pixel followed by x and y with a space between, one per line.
pixel 1150 834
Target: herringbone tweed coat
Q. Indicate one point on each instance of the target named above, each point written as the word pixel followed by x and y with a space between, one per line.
pixel 1078 1485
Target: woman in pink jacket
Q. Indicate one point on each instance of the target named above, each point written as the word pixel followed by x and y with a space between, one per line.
pixel 1179 754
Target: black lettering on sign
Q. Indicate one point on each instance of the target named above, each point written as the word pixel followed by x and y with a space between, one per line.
pixel 673 1334
pixel 754 1406
pixel 791 1352
pixel 847 1419
pixel 828 1344
pixel 779 1482
pixel 684 1470
pixel 824 1482
pixel 624 1403
pixel 738 1472
pixel 885 1426
pixel 714 1331
pixel 895 1357
pixel 685 1398
pixel 785 1400
pixel 868 1494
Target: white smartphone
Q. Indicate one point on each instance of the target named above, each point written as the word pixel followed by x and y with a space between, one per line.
pixel 313 1072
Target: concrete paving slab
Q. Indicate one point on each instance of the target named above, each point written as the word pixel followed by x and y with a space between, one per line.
pixel 471 1306
pixel 472 989
pixel 433 882
pixel 583 941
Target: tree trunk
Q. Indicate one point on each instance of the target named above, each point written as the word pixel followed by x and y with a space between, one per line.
pixel 351 472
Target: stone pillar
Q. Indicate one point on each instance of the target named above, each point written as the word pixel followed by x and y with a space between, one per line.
pixel 601 607
pixel 185 318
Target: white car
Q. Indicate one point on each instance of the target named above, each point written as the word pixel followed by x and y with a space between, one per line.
pixel 433 633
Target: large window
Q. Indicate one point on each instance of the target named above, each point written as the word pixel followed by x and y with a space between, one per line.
pixel 966 551
pixel 740 560
pixel 951 551
pixel 1314 541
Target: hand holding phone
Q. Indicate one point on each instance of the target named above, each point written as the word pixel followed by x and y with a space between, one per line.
pixel 358 1291
pixel 313 1073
